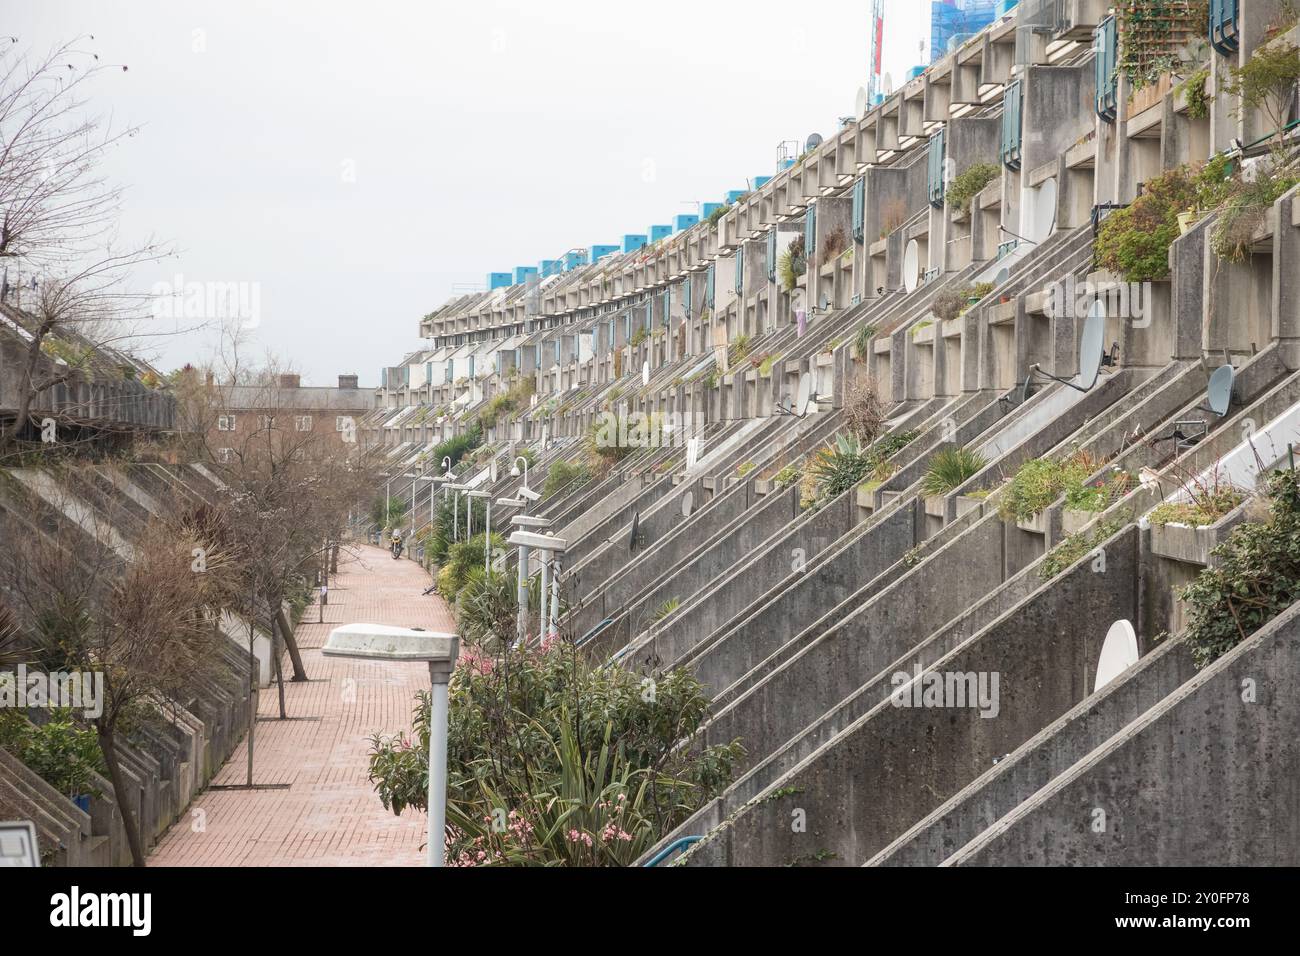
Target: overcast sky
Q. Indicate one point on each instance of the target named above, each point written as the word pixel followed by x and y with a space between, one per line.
pixel 356 162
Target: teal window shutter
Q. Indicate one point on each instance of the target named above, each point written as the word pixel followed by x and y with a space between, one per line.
pixel 771 256
pixel 740 269
pixel 1011 103
pixel 935 169
pixel 859 215
pixel 1105 65
pixel 810 230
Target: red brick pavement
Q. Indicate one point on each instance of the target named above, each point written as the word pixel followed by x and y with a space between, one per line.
pixel 330 815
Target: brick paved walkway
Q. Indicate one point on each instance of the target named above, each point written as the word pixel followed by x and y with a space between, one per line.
pixel 329 816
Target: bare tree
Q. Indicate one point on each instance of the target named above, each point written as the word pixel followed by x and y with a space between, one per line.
pixel 65 266
pixel 143 613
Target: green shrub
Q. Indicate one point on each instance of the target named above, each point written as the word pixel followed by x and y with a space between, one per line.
pixel 950 468
pixel 968 185
pixel 1257 577
pixel 1078 545
pixel 1193 89
pixel 564 475
pixel 1244 211
pixel 786 477
pixel 717 214
pixel 862 342
pixel 1041 481
pixel 62 753
pixel 792 263
pixel 1203 509
pixel 554 762
pixel 1134 242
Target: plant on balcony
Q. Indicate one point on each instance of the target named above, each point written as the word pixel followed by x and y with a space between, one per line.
pixel 1156 35
pixel 1267 81
pixel 1208 499
pixel 638 337
pixel 1100 496
pixel 1257 576
pixel 564 475
pixel 835 242
pixel 1077 546
pixel 717 214
pixel 555 761
pixel 1134 242
pixel 1245 210
pixel 949 303
pixel 739 349
pixel 786 477
pixel 1192 89
pixel 969 184
pixel 950 468
pixel 1040 481
pixel 792 263
pixel 744 469
pixel 864 412
pixel 862 343
pixel 60 751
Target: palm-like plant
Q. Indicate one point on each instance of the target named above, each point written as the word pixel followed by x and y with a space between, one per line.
pixel 950 469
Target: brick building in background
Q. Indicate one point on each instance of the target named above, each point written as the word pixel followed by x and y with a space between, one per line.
pixel 325 418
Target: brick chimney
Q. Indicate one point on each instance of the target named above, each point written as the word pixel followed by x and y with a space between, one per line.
pixel 347 381
pixel 290 380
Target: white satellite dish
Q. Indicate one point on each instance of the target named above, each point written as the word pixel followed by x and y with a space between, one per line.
pixel 912 266
pixel 1003 275
pixel 688 504
pixel 692 453
pixel 860 105
pixel 888 84
pixel 1092 347
pixel 492 471
pixel 1118 653
pixel 814 140
pixel 645 372
pixel 1221 383
pixel 1044 211
pixel 804 397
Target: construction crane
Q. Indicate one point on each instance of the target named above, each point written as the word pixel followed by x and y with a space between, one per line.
pixel 877 47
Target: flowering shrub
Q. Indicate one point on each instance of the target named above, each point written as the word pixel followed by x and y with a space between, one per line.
pixel 552 762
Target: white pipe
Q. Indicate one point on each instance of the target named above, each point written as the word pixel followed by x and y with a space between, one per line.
pixel 544 629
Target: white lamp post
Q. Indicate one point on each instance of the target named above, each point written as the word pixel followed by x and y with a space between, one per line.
pixel 385 643
pixel 487 540
pixel 547 545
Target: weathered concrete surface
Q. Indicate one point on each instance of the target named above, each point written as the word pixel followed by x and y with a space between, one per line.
pixel 894 765
pixel 1040 760
pixel 1207 777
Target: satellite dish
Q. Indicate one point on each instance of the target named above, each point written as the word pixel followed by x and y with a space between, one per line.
pixel 860 105
pixel 1044 211
pixel 888 86
pixel 692 453
pixel 636 527
pixel 912 266
pixel 1221 383
pixel 645 372
pixel 1118 653
pixel 1092 348
pixel 492 471
pixel 688 504
pixel 804 397
pixel 814 141
pixel 1003 275
pixel 825 303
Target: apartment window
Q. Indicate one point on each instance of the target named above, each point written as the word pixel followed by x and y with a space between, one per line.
pixel 268 422
pixel 226 423
pixel 225 455
pixel 342 423
pixel 302 423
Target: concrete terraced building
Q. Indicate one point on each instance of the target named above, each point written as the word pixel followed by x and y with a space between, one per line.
pixel 799 619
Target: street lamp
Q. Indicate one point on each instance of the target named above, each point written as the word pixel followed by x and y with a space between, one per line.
pixel 547 545
pixel 514 469
pixel 385 643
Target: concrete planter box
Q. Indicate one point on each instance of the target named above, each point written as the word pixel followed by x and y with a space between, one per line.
pixel 763 486
pixel 1072 522
pixel 1037 524
pixel 966 504
pixel 1190 545
pixel 934 506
